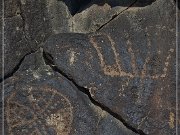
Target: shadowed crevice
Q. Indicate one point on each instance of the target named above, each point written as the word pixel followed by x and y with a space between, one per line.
pixel 77 6
pixel 49 61
pixel 116 15
pixel 16 68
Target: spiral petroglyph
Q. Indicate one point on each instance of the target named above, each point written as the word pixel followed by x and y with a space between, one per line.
pixel 43 106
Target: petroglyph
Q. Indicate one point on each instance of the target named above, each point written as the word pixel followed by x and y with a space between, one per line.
pixel 72 56
pixel 133 61
pixel 41 106
pixel 116 68
pixel 59 121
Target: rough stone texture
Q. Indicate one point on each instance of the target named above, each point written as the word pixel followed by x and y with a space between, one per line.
pixel 94 14
pixel 24 30
pixel 93 18
pixel 16 45
pixel 59 16
pixel 77 6
pixel 41 101
pixel 28 23
pixel 88 16
pixel 129 66
pixel 119 80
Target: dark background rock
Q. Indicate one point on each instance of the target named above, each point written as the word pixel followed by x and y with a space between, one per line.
pixel 92 18
pixel 28 23
pixel 26 27
pixel 89 16
pixel 41 101
pixel 59 16
pixel 143 94
pixel 137 98
pixel 76 6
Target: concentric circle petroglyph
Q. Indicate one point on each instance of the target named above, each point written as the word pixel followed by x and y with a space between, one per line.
pixel 38 110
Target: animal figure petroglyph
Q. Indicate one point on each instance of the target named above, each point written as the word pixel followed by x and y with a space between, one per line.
pixel 116 69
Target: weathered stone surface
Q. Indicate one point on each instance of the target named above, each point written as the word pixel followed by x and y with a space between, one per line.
pixel 93 18
pixel 28 23
pixel 129 66
pixel 59 16
pixel 76 6
pixel 24 30
pixel 16 45
pixel 41 101
pixel 80 16
pixel 90 15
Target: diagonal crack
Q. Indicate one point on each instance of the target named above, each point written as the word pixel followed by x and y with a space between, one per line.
pixel 49 61
pixel 11 73
pixel 116 15
pixel 26 38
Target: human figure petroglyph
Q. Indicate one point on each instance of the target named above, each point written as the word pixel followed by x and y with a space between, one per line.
pixel 116 69
pixel 56 109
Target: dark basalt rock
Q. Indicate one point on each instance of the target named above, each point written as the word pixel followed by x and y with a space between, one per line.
pixel 128 66
pixel 92 18
pixel 28 23
pixel 119 80
pixel 76 6
pixel 24 30
pixel 41 101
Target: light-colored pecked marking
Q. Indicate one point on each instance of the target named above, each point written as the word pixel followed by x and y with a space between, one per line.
pixel 116 70
pixel 60 120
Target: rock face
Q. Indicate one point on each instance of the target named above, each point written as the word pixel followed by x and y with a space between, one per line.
pixel 41 101
pixel 89 67
pixel 23 31
pixel 28 23
pixel 93 18
pixel 126 66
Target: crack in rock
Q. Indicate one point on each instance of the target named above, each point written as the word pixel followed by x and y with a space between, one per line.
pixel 116 15
pixel 49 61
pixel 23 20
pixel 54 103
pixel 16 68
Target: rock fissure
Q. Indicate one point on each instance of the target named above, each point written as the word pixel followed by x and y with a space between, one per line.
pixel 16 68
pixel 23 20
pixel 116 15
pixel 49 61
